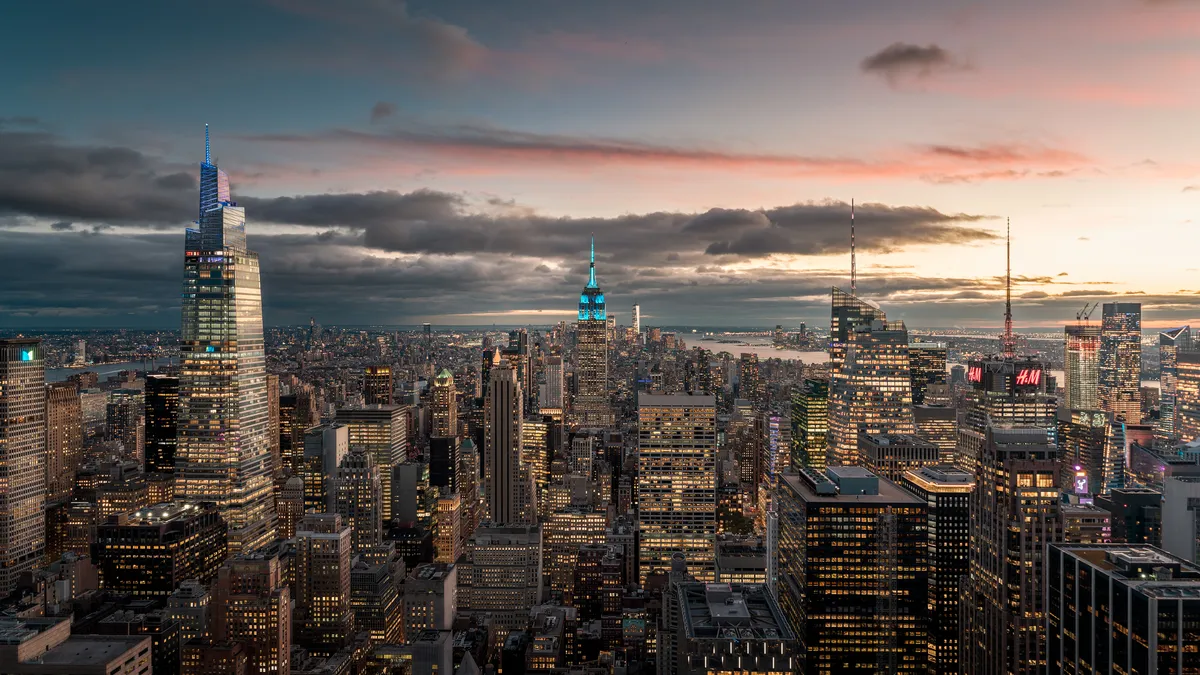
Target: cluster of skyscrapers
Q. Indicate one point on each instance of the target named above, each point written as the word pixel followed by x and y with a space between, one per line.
pixel 596 499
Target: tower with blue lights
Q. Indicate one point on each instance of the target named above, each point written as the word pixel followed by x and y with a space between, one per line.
pixel 591 407
pixel 223 453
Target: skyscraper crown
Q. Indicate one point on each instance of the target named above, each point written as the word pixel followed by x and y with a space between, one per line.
pixel 591 301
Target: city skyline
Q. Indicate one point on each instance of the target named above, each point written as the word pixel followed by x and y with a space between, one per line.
pixel 461 190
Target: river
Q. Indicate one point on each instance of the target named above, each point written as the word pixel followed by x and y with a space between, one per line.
pixel 106 369
pixel 760 346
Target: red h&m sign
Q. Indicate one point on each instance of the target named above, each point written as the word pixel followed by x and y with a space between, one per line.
pixel 1029 377
pixel 975 374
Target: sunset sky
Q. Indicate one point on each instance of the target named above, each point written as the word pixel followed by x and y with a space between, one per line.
pixel 446 160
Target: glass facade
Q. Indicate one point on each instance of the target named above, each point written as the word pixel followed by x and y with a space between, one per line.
pixel 1081 367
pixel 810 424
pixel 223 454
pixel 22 452
pixel 872 390
pixel 1121 360
pixel 1170 344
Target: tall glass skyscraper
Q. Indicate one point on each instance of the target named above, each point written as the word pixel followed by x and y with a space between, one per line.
pixel 591 408
pixel 1121 360
pixel 872 392
pixel 223 454
pixel 1170 343
pixel 1081 367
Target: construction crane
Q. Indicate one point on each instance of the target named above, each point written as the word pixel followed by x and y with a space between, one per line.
pixel 1085 314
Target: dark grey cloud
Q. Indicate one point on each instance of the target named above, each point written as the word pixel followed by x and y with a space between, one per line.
pixel 441 223
pixel 40 175
pixel 382 110
pixel 901 60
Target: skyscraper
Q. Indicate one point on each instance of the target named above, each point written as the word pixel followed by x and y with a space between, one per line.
pixel 381 431
pixel 502 457
pixel 926 365
pixel 550 398
pixel 1014 516
pixel 591 407
pixel 358 498
pixel 946 491
pixel 636 319
pixel 444 410
pixel 254 606
pixel 852 571
pixel 162 410
pixel 1121 360
pixel 1003 392
pixel 810 424
pixel 64 440
pixel 1115 608
pixel 677 482
pixel 1081 367
pixel 223 454
pixel 377 385
pixel 22 452
pixel 750 384
pixel 1170 344
pixel 324 620
pixel 872 392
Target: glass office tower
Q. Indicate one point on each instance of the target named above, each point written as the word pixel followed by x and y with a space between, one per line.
pixel 1121 361
pixel 223 454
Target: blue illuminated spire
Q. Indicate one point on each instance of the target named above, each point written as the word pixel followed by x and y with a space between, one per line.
pixel 207 150
pixel 592 271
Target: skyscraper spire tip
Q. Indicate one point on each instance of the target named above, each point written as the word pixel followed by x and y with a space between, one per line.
pixel 207 148
pixel 853 262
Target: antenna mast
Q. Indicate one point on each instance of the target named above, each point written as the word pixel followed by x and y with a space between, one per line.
pixel 207 151
pixel 853 262
pixel 1009 340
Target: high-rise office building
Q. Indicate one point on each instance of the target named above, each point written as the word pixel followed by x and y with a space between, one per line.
pixel 750 384
pixel 563 532
pixel 273 435
pixel 324 619
pixel 849 312
pixel 1170 344
pixel 254 607
pixel 502 474
pixel 1115 608
pixel 125 421
pixel 297 412
pixel 1014 516
pixel 1181 516
pixel 677 482
pixel 358 498
pixel 324 448
pixel 223 454
pixel 938 424
pixel 891 455
pixel 1085 452
pixel 1003 392
pixel 872 392
pixel 64 440
pixel 151 551
pixel 445 464
pixel 724 627
pixel 1187 395
pixel 377 385
pixel 377 604
pixel 927 366
pixel 1081 367
pixel 550 396
pixel 635 319
pixel 852 571
pixel 449 536
pixel 946 490
pixel 162 412
pixel 430 598
pixel 500 577
pixel 444 407
pixel 810 424
pixel 1136 515
pixel 591 405
pixel 22 453
pixel 1121 360
pixel 380 431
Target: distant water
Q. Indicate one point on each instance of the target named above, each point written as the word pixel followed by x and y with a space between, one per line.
pixel 106 369
pixel 739 345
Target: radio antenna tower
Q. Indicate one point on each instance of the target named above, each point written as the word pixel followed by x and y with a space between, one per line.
pixel 1009 340
pixel 853 263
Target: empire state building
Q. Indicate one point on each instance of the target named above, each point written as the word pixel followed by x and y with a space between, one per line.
pixel 591 408
pixel 223 454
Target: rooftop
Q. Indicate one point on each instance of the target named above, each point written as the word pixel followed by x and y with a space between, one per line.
pixel 676 400
pixel 897 439
pixel 1153 571
pixel 823 489
pixel 164 513
pixel 86 650
pixel 731 612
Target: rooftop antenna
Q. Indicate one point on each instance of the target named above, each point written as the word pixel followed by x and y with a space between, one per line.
pixel 207 150
pixel 1009 340
pixel 853 263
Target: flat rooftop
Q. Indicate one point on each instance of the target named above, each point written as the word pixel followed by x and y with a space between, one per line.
pixel 1153 571
pixel 731 612
pixel 164 513
pixel 676 401
pixel 87 650
pixel 888 492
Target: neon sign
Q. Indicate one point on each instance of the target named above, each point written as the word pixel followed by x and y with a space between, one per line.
pixel 1029 377
pixel 975 374
pixel 27 355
